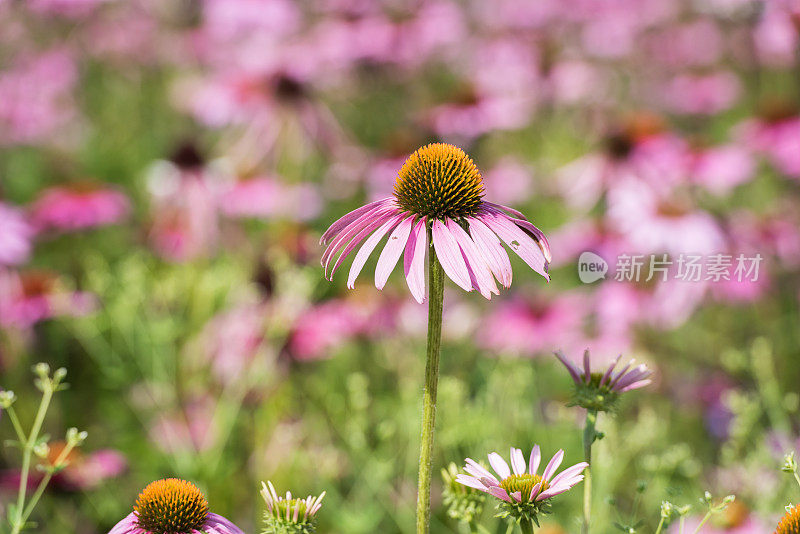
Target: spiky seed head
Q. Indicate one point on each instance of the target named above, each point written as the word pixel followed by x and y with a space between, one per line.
pixel 171 506
pixel 523 483
pixel 438 181
pixel 790 523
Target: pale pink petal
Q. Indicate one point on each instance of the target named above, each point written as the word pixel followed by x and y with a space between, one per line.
pixel 587 369
pixel 522 221
pixel 500 493
pixel 535 491
pixel 449 256
pixel 550 470
pixel 348 233
pixel 517 496
pixel 477 470
pixel 636 385
pixel 499 465
pixel 484 281
pixel 569 473
pixel 392 251
pixel 610 369
pixel 520 242
pixel 558 490
pixel 472 482
pixel 414 261
pixel 573 371
pixel 492 251
pixel 536 458
pixel 359 237
pixel 348 218
pixel 367 248
pixel 517 461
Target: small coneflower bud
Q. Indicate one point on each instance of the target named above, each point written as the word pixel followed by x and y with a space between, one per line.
pixel 599 391
pixel 173 506
pixel 289 515
pixel 790 522
pixel 463 503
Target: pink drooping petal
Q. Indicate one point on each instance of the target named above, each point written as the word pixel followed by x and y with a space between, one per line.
pixel 484 281
pixel 414 261
pixel 492 251
pixel 568 473
pixel 555 461
pixel 520 242
pixel 500 493
pixel 587 368
pixel 520 220
pixel 499 465
pixel 517 461
pixel 125 526
pixel 359 237
pixel 573 371
pixel 536 459
pixel 517 496
pixel 216 524
pixel 449 255
pixel 348 218
pixel 636 385
pixel 635 375
pixel 535 491
pixel 472 482
pixel 478 470
pixel 367 248
pixel 620 374
pixel 558 490
pixel 349 232
pixel 610 369
pixel 391 251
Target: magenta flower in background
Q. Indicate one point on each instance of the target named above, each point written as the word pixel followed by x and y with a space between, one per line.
pixel 175 506
pixel 626 379
pixel 438 192
pixel 706 94
pixel 77 208
pixel 16 234
pixel 518 483
pixel 32 296
pixel 266 197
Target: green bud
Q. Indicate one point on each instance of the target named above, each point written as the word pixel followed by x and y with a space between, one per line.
pixel 7 398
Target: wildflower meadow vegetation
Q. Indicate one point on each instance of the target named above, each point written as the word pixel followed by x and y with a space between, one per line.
pixel 374 266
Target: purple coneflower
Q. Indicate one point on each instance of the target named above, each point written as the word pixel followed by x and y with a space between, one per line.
pixel 282 511
pixel 438 191
pixel 438 200
pixel 175 506
pixel 524 491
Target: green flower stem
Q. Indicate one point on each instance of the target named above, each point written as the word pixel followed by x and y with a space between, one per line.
pixel 660 525
pixel 46 480
pixel 27 453
pixel 703 522
pixel 526 527
pixel 435 304
pixel 589 436
pixel 797 478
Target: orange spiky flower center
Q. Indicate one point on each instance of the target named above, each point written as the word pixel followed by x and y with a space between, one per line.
pixel 439 181
pixel 171 506
pixel 790 523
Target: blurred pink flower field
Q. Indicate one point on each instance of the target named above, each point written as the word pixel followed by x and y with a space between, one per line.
pixel 168 171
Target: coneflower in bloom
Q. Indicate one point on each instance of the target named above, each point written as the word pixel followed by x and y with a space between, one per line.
pixel 525 493
pixel 173 506
pixel 289 515
pixel 790 522
pixel 600 390
pixel 438 191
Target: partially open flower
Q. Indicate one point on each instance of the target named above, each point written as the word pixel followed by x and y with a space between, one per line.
pixel 790 522
pixel 173 506
pixel 525 493
pixel 600 391
pixel 438 193
pixel 289 515
pixel 463 503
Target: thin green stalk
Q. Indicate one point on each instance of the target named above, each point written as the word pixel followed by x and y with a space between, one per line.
pixel 683 519
pixel 435 304
pixel 703 522
pixel 660 525
pixel 12 414
pixel 797 478
pixel 526 527
pixel 589 435
pixel 43 484
pixel 27 453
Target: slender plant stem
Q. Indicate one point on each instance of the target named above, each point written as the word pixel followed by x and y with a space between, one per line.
pixel 703 522
pixel 27 453
pixel 589 435
pixel 797 478
pixel 43 484
pixel 526 527
pixel 660 525
pixel 435 304
pixel 12 414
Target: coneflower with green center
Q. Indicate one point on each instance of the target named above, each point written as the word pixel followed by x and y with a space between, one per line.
pixel 525 494
pixel 289 515
pixel 437 216
pixel 599 392
pixel 173 506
